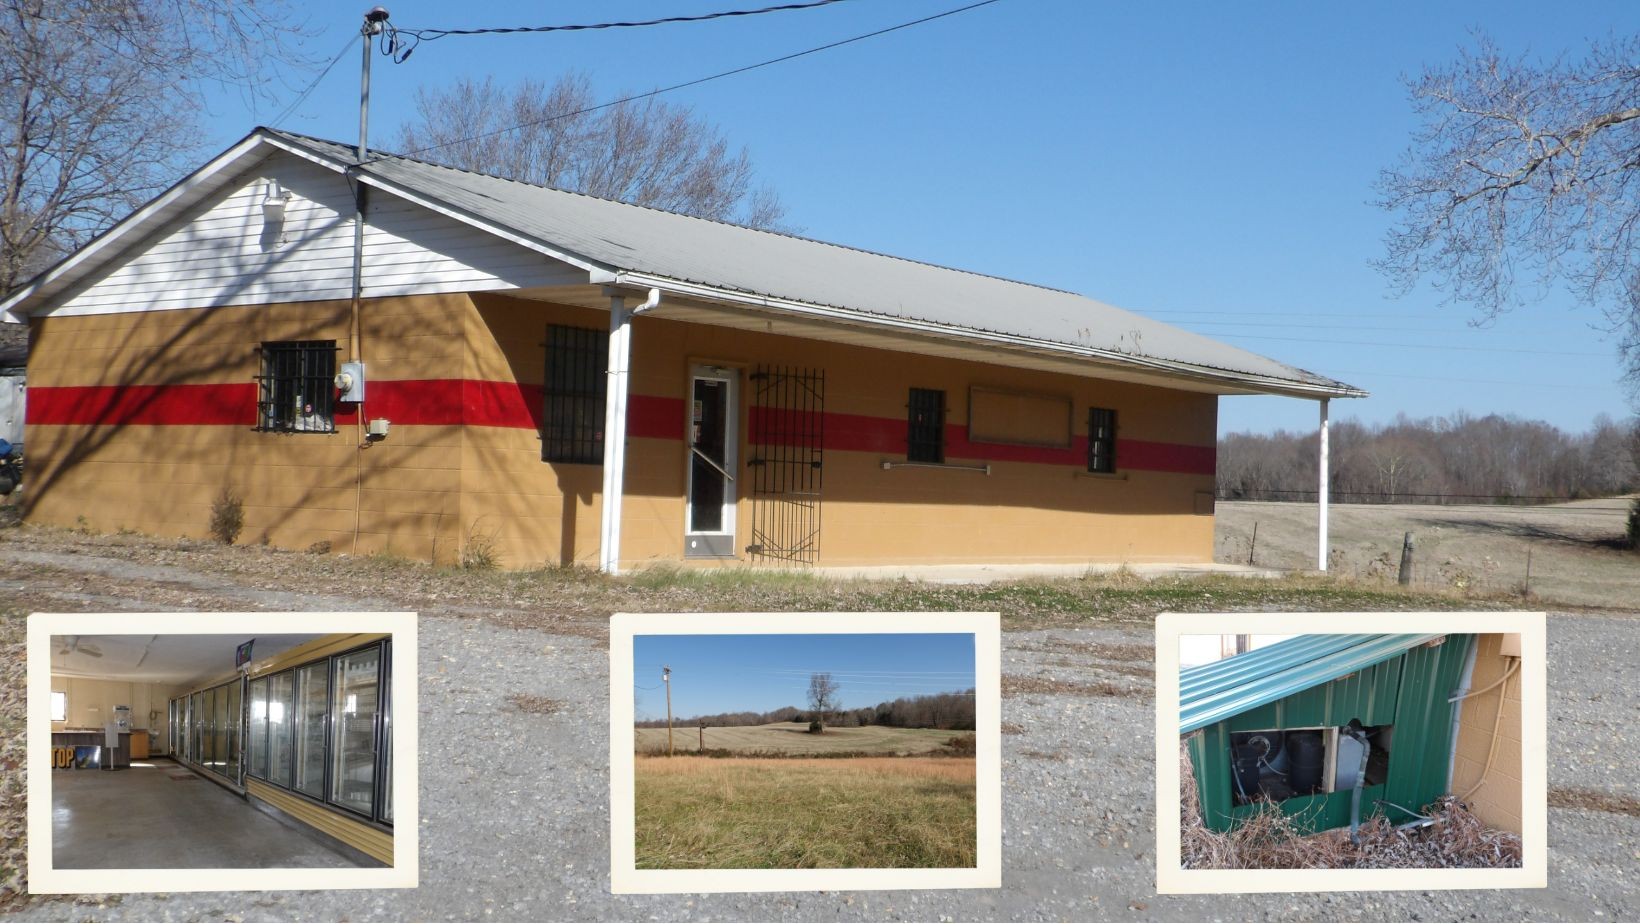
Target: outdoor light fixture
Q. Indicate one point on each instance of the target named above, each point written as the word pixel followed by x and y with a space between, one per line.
pixel 273 206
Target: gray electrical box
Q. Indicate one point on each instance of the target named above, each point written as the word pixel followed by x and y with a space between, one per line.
pixel 350 383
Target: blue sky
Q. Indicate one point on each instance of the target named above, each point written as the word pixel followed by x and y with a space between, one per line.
pixel 1208 164
pixel 759 673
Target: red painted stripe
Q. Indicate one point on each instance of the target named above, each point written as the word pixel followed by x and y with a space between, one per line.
pixel 1166 457
pixel 651 417
pixel 455 402
pixel 154 405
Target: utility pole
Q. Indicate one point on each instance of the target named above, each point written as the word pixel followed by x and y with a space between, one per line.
pixel 374 23
pixel 666 678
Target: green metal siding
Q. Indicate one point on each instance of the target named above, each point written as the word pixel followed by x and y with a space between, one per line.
pixel 1409 692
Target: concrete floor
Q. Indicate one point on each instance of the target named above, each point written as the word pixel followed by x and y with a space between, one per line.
pixel 142 818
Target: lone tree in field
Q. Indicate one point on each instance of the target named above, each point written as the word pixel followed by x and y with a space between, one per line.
pixel 822 699
pixel 1525 173
pixel 644 152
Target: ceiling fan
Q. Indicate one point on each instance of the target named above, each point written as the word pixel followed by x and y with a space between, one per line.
pixel 77 647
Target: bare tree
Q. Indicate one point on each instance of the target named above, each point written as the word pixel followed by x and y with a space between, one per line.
pixel 645 152
pixel 822 699
pixel 1525 169
pixel 99 103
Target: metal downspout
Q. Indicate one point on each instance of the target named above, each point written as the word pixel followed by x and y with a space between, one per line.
pixel 620 358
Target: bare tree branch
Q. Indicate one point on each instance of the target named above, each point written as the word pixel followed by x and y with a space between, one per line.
pixel 99 103
pixel 645 152
pixel 1524 171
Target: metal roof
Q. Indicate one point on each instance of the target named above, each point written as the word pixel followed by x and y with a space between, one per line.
pixel 1213 692
pixel 734 265
pixel 626 238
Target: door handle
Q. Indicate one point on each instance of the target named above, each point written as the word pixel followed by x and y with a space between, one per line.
pixel 708 460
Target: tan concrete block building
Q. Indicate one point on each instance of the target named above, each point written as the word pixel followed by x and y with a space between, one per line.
pixel 442 384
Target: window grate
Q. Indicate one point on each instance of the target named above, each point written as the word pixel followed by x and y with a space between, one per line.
pixel 925 432
pixel 577 384
pixel 1101 440
pixel 297 387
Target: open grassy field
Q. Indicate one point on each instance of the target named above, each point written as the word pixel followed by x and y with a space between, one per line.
pixel 1575 548
pixel 756 813
pixel 794 738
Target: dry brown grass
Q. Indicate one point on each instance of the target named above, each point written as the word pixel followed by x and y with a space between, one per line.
pixel 1271 839
pixel 804 813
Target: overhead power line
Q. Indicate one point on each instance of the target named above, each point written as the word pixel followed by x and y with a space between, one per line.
pixel 1517 383
pixel 700 80
pixel 1410 346
pixel 308 91
pixel 428 35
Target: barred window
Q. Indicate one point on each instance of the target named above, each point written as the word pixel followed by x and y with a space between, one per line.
pixel 577 382
pixel 925 431
pixel 1101 440
pixel 298 387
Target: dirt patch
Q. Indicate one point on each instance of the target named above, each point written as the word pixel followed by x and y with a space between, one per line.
pixel 1044 755
pixel 535 705
pixel 1016 685
pixel 1012 728
pixel 1592 801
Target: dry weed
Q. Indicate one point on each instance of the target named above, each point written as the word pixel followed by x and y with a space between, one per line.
pixel 1593 801
pixel 539 705
pixel 1016 685
pixel 1270 839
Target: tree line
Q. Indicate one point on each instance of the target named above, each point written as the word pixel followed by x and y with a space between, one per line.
pixel 948 711
pixel 1455 459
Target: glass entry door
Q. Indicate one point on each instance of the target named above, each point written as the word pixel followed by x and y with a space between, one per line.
pixel 713 448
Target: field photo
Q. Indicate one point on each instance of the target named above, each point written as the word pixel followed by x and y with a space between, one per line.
pixel 804 752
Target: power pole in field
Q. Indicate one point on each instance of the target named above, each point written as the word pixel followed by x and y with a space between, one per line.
pixel 666 678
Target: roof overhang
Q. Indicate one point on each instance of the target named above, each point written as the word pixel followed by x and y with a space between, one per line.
pixel 984 346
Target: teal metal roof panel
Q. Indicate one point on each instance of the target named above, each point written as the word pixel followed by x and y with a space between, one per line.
pixel 1217 691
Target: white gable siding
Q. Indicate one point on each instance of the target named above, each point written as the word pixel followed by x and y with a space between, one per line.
pixel 223 252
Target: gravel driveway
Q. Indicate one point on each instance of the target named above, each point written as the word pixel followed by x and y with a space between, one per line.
pixel 514 804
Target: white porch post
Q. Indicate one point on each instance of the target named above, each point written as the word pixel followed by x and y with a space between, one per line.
pixel 620 352
pixel 1321 494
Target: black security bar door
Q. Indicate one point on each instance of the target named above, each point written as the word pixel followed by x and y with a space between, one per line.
pixel 787 436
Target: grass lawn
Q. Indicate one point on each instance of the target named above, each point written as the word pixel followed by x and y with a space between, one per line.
pixel 761 813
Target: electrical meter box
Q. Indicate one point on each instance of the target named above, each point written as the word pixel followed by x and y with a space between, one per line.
pixel 350 383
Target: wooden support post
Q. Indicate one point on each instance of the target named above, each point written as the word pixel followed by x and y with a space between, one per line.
pixel 1253 545
pixel 1405 577
pixel 666 678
